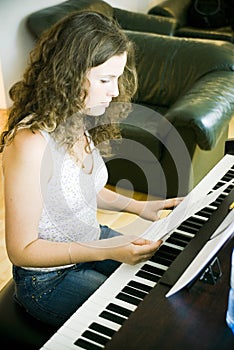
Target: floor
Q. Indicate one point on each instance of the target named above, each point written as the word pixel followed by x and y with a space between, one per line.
pixel 122 222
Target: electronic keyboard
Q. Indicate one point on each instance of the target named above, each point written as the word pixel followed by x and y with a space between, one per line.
pixel 184 254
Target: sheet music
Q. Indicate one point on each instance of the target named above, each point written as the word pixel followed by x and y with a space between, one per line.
pixel 188 207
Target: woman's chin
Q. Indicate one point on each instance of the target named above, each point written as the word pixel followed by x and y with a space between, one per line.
pixel 96 111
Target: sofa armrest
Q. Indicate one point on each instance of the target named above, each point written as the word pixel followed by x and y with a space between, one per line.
pixel 176 9
pixel 207 108
pixel 142 22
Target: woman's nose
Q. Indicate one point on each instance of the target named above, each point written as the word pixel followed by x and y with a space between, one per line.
pixel 114 90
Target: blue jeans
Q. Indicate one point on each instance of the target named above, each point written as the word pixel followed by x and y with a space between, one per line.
pixel 54 296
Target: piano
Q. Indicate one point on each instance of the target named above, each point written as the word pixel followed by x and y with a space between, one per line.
pixel 165 303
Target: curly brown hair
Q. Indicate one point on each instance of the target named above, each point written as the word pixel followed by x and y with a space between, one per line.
pixel 52 89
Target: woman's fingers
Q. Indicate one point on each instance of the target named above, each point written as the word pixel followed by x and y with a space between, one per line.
pixel 172 202
pixel 146 242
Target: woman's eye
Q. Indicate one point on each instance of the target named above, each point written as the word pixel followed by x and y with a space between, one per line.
pixel 105 81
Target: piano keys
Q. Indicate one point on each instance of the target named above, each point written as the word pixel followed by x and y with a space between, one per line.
pixel 102 316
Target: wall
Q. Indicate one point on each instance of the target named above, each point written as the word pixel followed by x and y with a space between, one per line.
pixel 132 5
pixel 16 42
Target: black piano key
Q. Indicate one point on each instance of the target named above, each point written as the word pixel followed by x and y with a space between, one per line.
pixel 152 269
pixel 168 252
pixel 140 286
pixel 97 338
pixel 195 222
pixel 221 197
pixel 229 189
pixel 161 260
pixel 187 228
pixel 128 298
pixel 134 292
pixel 84 344
pixel 181 237
pixel 119 310
pixel 218 185
pixel 148 276
pixel 176 241
pixel 205 212
pixel 112 317
pixel 109 332
pixel 228 176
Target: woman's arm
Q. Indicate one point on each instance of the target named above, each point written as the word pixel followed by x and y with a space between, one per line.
pixel 27 170
pixel 149 210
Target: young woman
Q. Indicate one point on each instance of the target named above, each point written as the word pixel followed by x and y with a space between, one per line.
pixel 54 176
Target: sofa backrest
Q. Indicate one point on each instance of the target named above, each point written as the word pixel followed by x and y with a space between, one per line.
pixel 43 19
pixel 169 66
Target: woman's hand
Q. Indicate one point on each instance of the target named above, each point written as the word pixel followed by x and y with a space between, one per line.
pixel 134 252
pixel 150 210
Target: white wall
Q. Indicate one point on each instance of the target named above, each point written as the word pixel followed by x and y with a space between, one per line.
pixel 132 5
pixel 16 42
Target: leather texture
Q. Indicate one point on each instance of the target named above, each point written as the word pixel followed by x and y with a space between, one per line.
pixel 41 20
pixel 179 10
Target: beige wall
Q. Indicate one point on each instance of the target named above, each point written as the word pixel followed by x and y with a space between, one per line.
pixel 16 42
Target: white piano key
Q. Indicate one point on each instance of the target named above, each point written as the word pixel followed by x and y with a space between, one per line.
pixel 200 217
pixel 89 315
pixel 100 346
pixel 185 233
pixel 156 264
pixel 60 342
pixel 116 301
pixel 91 342
pixel 174 246
pixel 99 333
pixel 75 337
pixel 144 281
pixel 212 206
pixel 71 331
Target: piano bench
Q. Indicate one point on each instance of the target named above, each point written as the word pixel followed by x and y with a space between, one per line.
pixel 19 330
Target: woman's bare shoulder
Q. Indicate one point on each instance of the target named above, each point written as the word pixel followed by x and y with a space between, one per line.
pixel 26 144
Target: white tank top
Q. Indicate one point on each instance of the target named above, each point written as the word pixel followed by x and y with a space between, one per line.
pixel 70 203
pixel 70 200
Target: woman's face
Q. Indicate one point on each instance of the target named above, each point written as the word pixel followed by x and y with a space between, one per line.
pixel 103 84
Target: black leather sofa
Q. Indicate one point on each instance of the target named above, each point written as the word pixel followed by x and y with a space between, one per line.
pixel 185 101
pixel 193 24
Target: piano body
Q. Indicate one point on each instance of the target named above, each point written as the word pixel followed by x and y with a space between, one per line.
pixel 163 303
